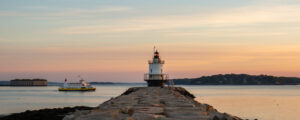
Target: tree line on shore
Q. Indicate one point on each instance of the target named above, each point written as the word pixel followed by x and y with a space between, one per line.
pixel 238 79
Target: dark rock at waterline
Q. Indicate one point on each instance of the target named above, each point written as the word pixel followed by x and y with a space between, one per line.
pixel 45 114
pixel 184 92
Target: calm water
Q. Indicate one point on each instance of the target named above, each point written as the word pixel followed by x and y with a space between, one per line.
pixel 262 102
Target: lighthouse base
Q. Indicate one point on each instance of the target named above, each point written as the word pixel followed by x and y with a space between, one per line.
pixel 156 83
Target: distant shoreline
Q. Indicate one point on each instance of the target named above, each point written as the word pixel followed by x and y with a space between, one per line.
pixel 238 79
pixel 220 79
pixel 145 84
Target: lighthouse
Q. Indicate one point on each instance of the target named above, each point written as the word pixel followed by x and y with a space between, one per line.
pixel 156 77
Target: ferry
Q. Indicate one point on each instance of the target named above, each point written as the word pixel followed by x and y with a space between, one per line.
pixel 81 86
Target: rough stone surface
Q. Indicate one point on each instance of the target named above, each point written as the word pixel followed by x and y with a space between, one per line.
pixel 152 103
pixel 47 114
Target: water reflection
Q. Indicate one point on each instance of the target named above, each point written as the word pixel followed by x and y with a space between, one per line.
pixel 262 102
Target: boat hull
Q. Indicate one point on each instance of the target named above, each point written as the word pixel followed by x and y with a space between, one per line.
pixel 76 89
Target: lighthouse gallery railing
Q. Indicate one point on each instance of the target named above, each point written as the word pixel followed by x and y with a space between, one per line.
pixel 156 76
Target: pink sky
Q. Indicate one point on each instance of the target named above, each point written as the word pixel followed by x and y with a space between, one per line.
pixel 112 41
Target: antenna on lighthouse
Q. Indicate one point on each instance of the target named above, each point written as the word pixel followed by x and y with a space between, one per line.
pixel 80 77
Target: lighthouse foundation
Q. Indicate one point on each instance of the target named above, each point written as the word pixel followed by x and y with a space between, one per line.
pixel 156 83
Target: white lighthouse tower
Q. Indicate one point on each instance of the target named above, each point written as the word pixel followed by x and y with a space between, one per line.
pixel 155 77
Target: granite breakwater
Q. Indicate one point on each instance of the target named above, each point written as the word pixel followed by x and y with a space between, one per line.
pixel 44 114
pixel 152 103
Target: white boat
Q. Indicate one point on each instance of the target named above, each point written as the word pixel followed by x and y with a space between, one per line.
pixel 81 86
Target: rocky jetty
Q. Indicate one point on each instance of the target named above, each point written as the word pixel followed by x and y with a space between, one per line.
pixel 152 103
pixel 45 114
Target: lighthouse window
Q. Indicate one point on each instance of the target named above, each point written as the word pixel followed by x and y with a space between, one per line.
pixel 151 70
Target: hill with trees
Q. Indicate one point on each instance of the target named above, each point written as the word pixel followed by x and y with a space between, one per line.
pixel 238 79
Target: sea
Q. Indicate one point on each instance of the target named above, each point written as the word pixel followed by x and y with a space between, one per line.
pixel 248 102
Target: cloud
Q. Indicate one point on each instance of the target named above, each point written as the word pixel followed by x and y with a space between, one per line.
pixel 250 15
pixel 84 12
pixel 48 12
pixel 40 7
pixel 12 14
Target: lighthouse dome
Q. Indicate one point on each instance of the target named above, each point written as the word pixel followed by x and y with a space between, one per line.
pixel 156 54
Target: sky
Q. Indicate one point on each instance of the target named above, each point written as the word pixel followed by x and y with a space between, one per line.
pixel 111 40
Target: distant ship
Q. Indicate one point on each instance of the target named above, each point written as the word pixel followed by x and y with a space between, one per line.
pixel 81 86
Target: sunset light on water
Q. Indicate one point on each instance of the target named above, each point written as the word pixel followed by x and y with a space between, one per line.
pixel 169 58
